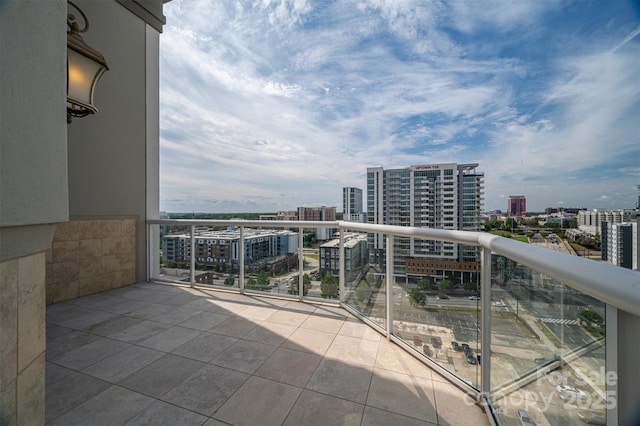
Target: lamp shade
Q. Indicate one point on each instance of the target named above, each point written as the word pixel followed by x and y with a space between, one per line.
pixel 85 66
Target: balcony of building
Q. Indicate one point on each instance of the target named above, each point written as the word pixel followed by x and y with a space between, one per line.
pixel 366 354
pixel 171 354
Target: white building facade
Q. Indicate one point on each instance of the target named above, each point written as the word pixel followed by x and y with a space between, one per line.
pixel 440 196
pixel 352 205
pixel 591 221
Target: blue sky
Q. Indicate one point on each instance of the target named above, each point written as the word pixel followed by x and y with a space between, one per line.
pixel 269 105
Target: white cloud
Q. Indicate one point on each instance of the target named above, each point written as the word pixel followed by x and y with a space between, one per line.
pixel 298 98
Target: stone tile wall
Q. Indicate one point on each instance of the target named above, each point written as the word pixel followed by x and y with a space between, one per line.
pixel 22 340
pixel 90 256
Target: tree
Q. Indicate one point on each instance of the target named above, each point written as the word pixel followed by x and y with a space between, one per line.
pixel 263 279
pixel 306 284
pixel 425 284
pixel 510 224
pixel 470 286
pixel 417 297
pixel 229 280
pixel 446 284
pixel 329 286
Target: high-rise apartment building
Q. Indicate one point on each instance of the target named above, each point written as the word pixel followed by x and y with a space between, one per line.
pixel 352 205
pixel 517 206
pixel 441 196
pixel 619 243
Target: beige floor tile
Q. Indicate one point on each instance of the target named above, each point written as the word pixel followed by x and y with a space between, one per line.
pixel 341 380
pixel 290 366
pixel 328 325
pixel 285 316
pixel 259 313
pixel 309 340
pixel 393 358
pixel 259 402
pixel 313 408
pixel 270 333
pixel 353 327
pixel 455 407
pixel 353 350
pixel 402 394
pixel 377 417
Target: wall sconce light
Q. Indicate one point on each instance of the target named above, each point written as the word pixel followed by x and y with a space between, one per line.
pixel 85 66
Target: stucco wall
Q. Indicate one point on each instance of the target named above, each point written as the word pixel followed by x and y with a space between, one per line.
pixel 109 173
pixel 33 128
pixel 90 256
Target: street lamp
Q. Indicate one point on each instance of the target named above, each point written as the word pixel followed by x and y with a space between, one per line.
pixel 85 66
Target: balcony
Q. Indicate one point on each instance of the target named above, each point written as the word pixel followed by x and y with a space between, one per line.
pixel 181 350
pixel 171 354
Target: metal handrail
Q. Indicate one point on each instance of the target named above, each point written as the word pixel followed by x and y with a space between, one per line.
pixel 619 287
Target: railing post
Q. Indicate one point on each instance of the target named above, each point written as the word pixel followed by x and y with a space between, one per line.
pixel 485 335
pixel 389 254
pixel 153 260
pixel 192 266
pixel 300 263
pixel 611 377
pixel 341 272
pixel 241 261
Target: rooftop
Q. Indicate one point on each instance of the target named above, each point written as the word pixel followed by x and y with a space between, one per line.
pixel 153 353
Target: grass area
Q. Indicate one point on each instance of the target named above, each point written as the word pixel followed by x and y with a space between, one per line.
pixel 507 234
pixel 313 256
pixel 578 247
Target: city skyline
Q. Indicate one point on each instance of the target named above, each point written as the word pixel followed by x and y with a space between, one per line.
pixel 276 105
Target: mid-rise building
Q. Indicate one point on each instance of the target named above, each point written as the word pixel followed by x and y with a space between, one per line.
pixel 281 215
pixel 222 248
pixel 319 214
pixel 591 221
pixel 440 196
pixel 352 205
pixel 517 206
pixel 356 255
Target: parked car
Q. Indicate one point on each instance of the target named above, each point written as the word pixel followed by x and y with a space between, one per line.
pixel 474 297
pixel 456 347
pixel 471 359
pixel 416 340
pixel 465 348
pixel 524 418
pixel 426 350
pixel 571 393
pixel 442 296
pixel 436 342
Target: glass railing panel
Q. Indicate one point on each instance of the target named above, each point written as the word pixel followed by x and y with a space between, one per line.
pixel 365 277
pixel 322 263
pixel 437 312
pixel 271 260
pixel 215 262
pixel 171 248
pixel 547 348
pixel 312 272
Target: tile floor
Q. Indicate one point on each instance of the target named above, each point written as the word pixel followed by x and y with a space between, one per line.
pixel 153 354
